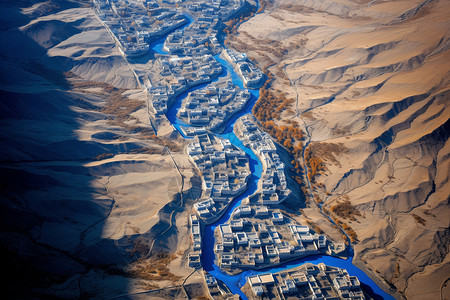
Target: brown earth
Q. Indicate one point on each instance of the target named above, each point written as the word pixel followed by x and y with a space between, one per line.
pixel 85 185
pixel 371 80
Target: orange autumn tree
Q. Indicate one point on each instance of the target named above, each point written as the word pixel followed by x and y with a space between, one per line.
pixel 268 108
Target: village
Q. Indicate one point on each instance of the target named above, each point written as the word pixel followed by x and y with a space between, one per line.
pixel 305 282
pixel 252 77
pixel 225 171
pixel 189 42
pixel 273 184
pixel 257 236
pixel 258 233
pixel 201 36
pixel 212 106
pixel 176 75
pixel 135 24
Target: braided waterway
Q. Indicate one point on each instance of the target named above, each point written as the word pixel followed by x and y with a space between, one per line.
pixel 235 282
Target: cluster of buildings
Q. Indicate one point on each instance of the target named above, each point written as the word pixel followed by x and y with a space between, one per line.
pixel 252 76
pixel 306 282
pixel 216 10
pixel 225 172
pixel 218 290
pixel 186 42
pixel 212 106
pixel 194 259
pixel 136 23
pixel 181 43
pixel 180 74
pixel 273 184
pixel 257 236
pixel 201 36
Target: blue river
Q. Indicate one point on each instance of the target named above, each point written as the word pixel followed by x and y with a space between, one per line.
pixel 234 283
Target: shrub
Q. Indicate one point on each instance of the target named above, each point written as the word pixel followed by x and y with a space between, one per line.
pixel 345 210
pixel 419 219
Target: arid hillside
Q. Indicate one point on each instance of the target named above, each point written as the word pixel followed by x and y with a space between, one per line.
pixel 369 83
pixel 89 195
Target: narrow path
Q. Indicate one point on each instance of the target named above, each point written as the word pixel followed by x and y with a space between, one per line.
pixel 84 232
pixel 182 285
pixel 138 81
pixel 443 285
pixel 305 164
pixel 209 246
pixel 172 214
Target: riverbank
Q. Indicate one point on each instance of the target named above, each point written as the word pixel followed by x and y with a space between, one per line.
pixel 208 235
pixel 375 128
pixel 208 255
pixel 359 264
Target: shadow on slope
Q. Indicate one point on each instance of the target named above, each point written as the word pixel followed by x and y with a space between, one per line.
pixel 51 214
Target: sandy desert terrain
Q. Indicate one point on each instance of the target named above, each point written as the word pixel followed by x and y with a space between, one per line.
pixel 369 83
pixel 92 202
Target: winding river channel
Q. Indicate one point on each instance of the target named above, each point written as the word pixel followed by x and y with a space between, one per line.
pixel 234 283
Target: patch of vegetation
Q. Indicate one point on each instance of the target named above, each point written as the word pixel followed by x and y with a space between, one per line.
pixel 103 156
pixel 232 25
pixel 314 227
pixel 154 268
pixel 341 131
pixel 317 153
pixel 143 150
pixel 308 115
pixel 119 108
pixel 263 4
pixel 397 270
pixel 348 230
pixel 148 286
pixel 293 7
pixel 173 146
pixel 270 104
pixel 314 164
pixel 345 210
pixel 419 219
pixel 428 213
pixel 317 199
pixel 288 136
pixel 351 233
pixel 147 150
pixel 269 50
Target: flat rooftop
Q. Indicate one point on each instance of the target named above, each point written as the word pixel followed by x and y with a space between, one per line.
pixel 266 278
